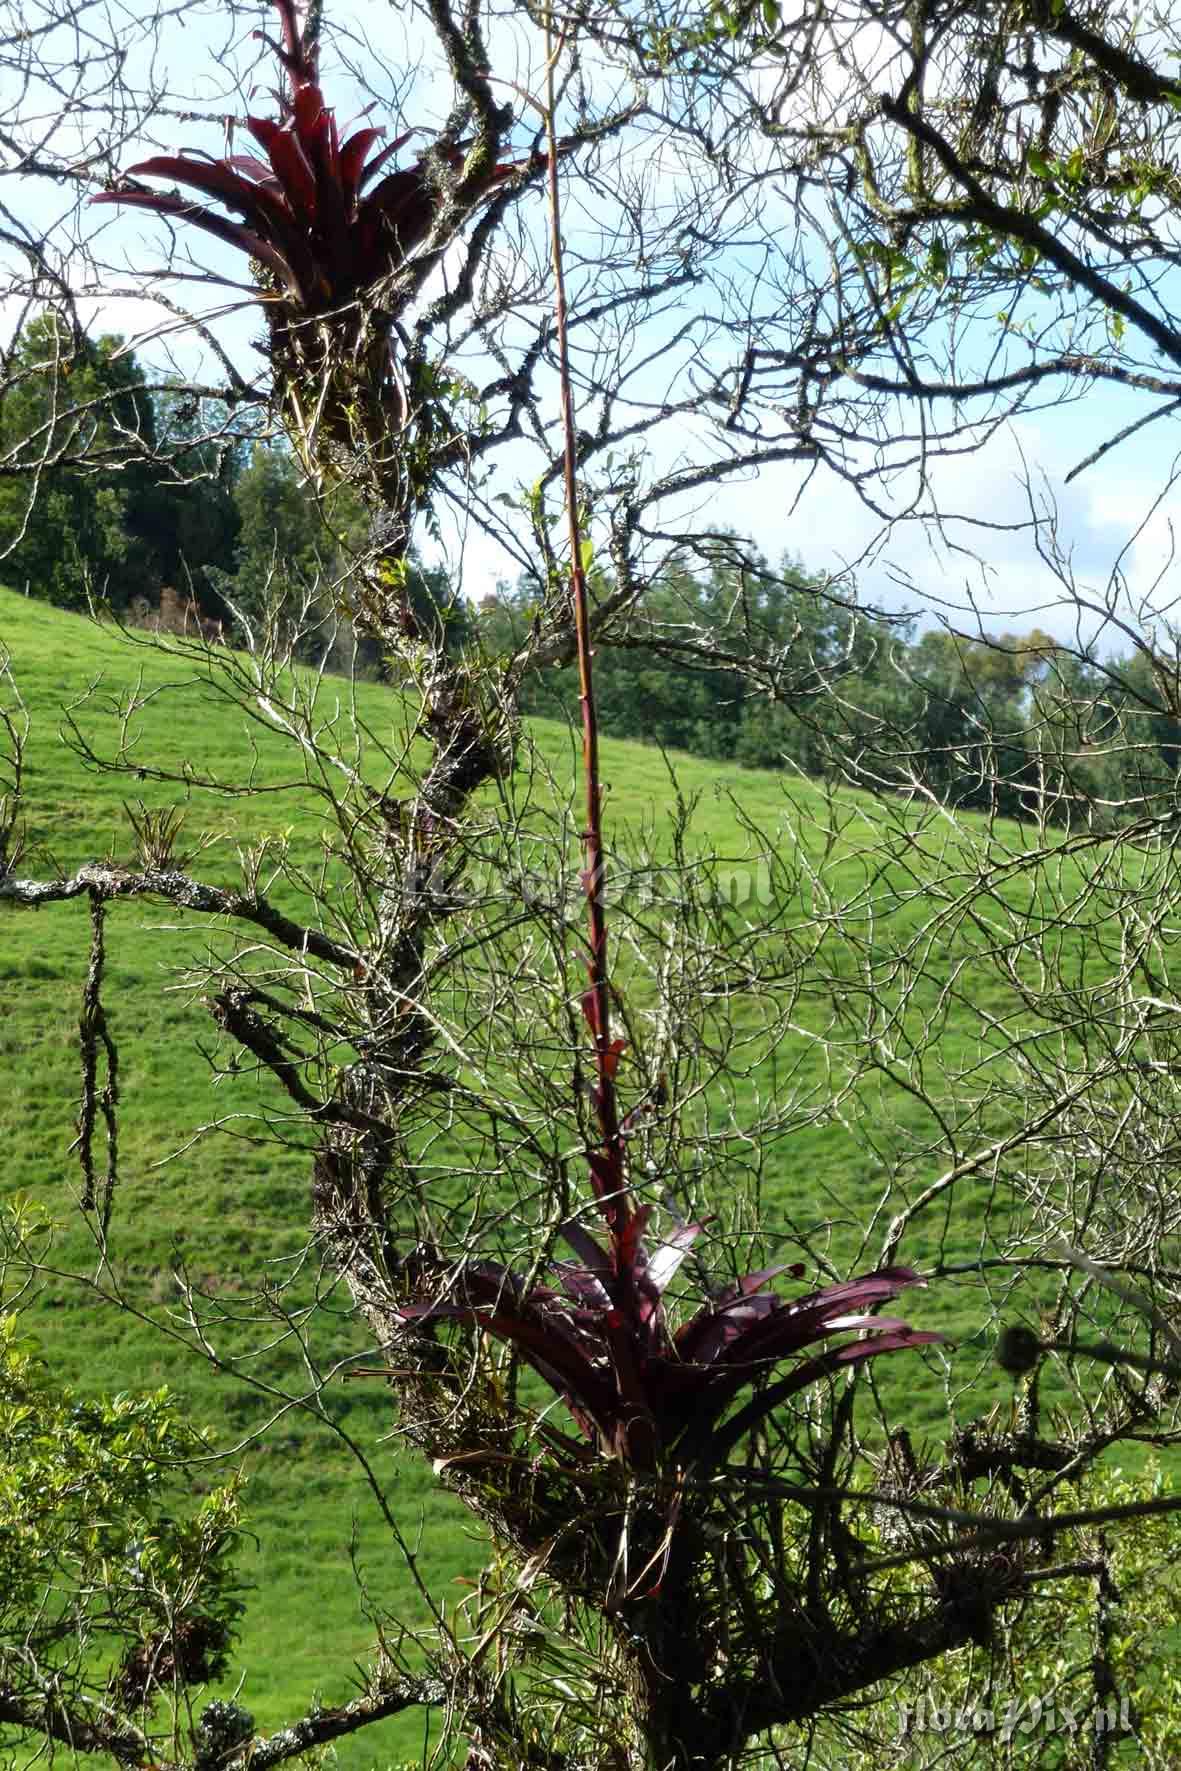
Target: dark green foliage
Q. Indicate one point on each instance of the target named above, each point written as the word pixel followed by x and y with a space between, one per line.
pixel 87 513
pixel 100 1553
pixel 66 399
pixel 284 546
pixel 213 518
pixel 295 558
pixel 664 686
pixel 645 690
pixel 196 523
pixel 435 601
pixel 1011 724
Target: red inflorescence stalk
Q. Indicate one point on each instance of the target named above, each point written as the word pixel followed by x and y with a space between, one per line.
pixel 607 1162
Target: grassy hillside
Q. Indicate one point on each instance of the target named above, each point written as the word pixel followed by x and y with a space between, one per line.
pixel 225 1205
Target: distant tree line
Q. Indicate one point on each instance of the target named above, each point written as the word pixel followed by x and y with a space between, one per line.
pixel 1012 724
pixel 202 525
pixel 81 513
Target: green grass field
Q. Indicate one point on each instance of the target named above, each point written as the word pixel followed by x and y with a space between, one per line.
pixel 227 1205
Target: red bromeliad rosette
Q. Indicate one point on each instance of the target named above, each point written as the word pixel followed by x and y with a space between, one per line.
pixel 312 215
pixel 641 1393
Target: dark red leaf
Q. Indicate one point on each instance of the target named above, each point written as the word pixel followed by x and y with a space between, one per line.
pixel 260 204
pixel 352 160
pixel 628 1250
pixel 549 1338
pixel 703 1340
pixel 231 232
pixel 569 1359
pixel 635 1416
pixel 288 164
pixel 797 1324
pixel 741 1326
pixel 587 1249
pixel 438 1310
pixel 315 128
pixel 549 1351
pixel 293 172
pixel 257 169
pixel 751 1283
pixel 583 1286
pixel 404 202
pixel 263 130
pixel 379 160
pixel 606 1173
pixel 700 1338
pixel 809 1372
pixel 663 1264
pixel 309 114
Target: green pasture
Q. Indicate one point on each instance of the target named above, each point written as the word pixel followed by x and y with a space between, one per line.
pixel 229 1208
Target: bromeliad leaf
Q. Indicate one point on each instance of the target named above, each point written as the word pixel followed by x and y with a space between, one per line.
pixel 663 1265
pixel 245 239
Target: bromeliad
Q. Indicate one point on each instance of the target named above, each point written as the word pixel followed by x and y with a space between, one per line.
pixel 642 1392
pixel 334 233
pixel 313 215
